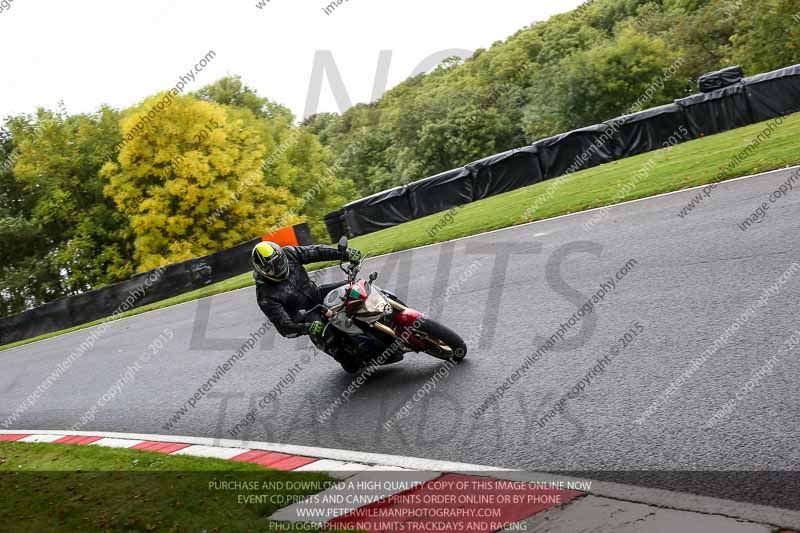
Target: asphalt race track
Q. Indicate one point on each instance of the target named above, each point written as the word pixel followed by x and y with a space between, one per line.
pixel 692 279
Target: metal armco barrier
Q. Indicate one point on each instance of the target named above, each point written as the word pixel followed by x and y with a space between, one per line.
pixel 747 101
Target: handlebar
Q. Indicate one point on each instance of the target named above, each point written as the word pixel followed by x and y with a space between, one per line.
pixel 352 269
pixel 303 314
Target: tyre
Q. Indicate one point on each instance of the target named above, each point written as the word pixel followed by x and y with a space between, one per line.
pixel 441 342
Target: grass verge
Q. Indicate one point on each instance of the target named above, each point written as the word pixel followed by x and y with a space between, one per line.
pixel 689 164
pixel 58 487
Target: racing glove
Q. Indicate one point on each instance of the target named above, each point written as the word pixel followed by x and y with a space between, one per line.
pixel 316 328
pixel 353 255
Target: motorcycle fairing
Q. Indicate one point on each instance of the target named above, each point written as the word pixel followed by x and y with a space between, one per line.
pixel 408 317
pixel 363 301
pixel 340 320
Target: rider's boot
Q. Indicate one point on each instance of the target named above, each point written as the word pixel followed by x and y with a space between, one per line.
pixel 391 359
pixel 382 355
pixel 350 363
pixel 391 355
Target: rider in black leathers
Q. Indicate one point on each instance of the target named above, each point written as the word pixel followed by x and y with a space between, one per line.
pixel 284 289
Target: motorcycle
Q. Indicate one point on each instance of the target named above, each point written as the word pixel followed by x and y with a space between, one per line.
pixel 361 308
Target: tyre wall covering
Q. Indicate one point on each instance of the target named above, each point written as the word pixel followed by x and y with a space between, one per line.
pixel 746 101
pixel 142 289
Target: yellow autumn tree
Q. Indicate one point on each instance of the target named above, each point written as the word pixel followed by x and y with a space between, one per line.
pixel 189 176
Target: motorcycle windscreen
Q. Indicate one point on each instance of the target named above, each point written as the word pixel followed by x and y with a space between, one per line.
pixel 339 320
pixel 375 306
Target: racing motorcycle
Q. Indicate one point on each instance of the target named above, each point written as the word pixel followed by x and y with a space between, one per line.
pixel 361 308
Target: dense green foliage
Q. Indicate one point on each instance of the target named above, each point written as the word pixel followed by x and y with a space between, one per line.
pixel 90 199
pixel 59 234
pixel 573 70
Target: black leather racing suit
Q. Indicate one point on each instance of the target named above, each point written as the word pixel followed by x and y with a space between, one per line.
pixel 282 300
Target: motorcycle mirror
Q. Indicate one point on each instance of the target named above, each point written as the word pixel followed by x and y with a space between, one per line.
pixel 343 244
pixel 373 277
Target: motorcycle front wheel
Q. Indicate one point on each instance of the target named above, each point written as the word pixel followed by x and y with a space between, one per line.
pixel 440 341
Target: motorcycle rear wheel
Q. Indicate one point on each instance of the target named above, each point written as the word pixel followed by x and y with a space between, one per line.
pixel 440 341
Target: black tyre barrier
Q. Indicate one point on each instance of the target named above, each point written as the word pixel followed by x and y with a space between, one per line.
pixel 719 79
pixel 739 103
pixel 649 130
pixel 142 289
pixel 773 94
pixel 717 111
pixel 334 223
pixel 504 172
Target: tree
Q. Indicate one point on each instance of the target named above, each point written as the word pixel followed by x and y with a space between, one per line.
pixel 768 37
pixel 316 187
pixel 321 125
pixel 631 72
pixel 191 179
pixel 67 235
pixel 701 31
pixel 18 235
pixel 232 92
